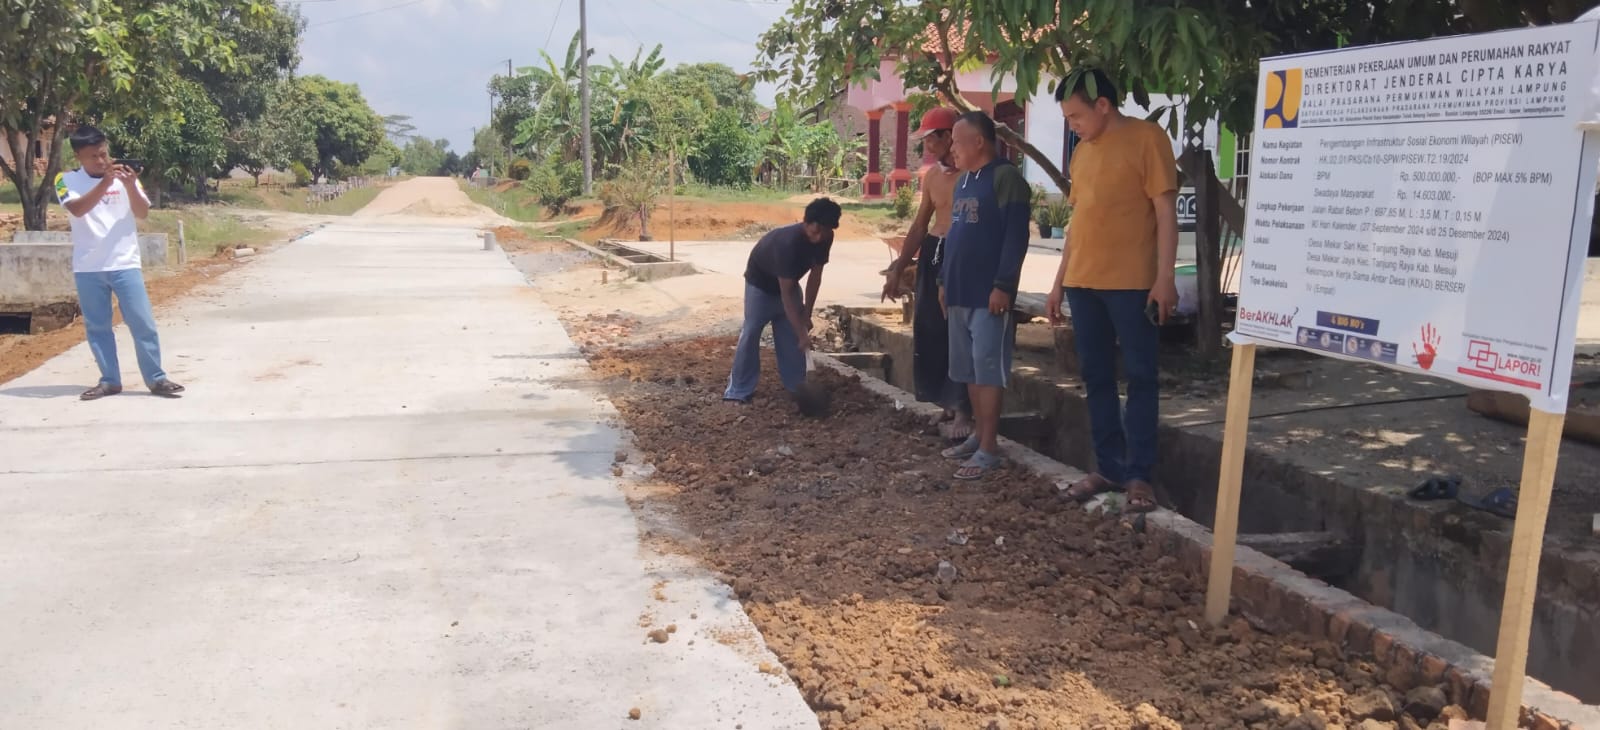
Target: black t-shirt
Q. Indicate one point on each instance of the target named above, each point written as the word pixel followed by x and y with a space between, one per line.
pixel 784 253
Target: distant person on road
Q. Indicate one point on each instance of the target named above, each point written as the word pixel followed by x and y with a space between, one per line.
pixel 105 202
pixel 772 296
pixel 924 243
pixel 982 265
pixel 1116 275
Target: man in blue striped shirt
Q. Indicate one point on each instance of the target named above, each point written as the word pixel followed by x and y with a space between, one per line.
pixel 983 261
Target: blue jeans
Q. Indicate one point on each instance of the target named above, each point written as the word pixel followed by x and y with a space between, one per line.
pixel 760 310
pixel 94 299
pixel 1124 438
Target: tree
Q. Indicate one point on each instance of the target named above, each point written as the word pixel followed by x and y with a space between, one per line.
pixel 725 151
pixel 61 57
pixel 633 190
pixel 277 139
pixel 488 150
pixel 266 53
pixel 182 138
pixel 728 89
pixel 423 156
pixel 348 131
pixel 398 128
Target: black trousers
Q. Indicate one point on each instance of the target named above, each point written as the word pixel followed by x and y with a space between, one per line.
pixel 930 336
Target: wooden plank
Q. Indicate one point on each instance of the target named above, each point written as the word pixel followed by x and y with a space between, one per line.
pixel 1522 576
pixel 1225 533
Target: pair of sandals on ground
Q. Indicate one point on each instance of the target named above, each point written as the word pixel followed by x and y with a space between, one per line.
pixel 977 463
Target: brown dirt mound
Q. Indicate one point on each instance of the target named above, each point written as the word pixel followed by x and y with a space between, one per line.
pixel 700 220
pixel 835 535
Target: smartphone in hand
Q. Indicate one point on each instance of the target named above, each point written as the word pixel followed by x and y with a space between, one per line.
pixel 1152 312
pixel 134 165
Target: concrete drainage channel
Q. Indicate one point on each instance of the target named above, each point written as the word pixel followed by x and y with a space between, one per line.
pixel 637 263
pixel 1361 548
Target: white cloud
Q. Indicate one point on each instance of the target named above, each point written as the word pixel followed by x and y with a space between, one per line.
pixel 433 59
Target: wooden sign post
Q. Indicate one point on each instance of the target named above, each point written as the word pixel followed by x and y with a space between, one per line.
pixel 1387 223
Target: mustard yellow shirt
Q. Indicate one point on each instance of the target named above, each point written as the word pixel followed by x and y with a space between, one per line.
pixel 1114 181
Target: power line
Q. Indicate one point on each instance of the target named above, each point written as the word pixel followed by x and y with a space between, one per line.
pixel 369 12
pixel 700 23
pixel 551 34
pixel 613 10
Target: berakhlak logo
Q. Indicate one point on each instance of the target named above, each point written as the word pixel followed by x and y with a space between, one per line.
pixel 1430 347
pixel 1283 99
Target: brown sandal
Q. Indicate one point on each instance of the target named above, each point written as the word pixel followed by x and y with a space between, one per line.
pixel 166 389
pixel 1141 498
pixel 100 390
pixel 1088 487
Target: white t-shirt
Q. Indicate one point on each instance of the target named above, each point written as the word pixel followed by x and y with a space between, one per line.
pixel 107 237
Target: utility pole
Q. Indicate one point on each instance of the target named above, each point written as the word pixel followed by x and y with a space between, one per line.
pixel 583 93
pixel 510 153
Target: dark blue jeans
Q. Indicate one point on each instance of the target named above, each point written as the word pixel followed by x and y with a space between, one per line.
pixel 1124 437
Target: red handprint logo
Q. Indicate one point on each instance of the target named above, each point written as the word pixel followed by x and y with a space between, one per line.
pixel 1430 347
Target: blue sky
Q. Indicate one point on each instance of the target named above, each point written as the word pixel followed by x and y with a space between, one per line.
pixel 432 59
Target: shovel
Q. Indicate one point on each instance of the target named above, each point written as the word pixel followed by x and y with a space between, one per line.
pixel 811 396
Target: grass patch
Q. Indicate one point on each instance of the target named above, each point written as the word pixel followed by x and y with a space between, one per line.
pixel 206 232
pixel 9 194
pixel 293 200
pixel 754 194
pixel 517 203
pixel 569 229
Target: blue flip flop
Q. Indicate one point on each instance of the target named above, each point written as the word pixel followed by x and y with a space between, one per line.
pixel 1502 502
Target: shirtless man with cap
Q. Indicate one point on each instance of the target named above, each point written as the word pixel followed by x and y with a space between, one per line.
pixel 929 330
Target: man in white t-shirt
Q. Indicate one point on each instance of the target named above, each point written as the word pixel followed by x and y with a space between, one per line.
pixel 105 202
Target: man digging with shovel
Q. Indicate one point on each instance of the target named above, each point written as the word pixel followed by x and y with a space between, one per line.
pixel 772 296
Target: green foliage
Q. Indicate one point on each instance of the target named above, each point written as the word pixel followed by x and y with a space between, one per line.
pixel 632 192
pixel 488 150
pixel 905 201
pixel 348 131
pixel 520 169
pixel 183 141
pixel 725 151
pixel 423 156
pixel 63 57
pixel 794 148
pixel 556 182
pixel 302 174
pixel 1058 214
pixel 279 137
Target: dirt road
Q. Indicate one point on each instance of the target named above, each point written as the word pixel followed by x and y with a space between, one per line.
pixel 431 198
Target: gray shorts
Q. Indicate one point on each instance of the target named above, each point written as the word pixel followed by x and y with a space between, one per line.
pixel 980 346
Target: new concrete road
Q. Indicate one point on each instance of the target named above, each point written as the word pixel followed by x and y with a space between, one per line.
pixel 386 502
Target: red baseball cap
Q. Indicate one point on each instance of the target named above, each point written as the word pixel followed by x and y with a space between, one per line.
pixel 936 119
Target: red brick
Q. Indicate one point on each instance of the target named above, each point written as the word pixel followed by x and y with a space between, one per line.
pixel 1382 645
pixel 1272 609
pixel 1478 702
pixel 1315 623
pixel 1433 669
pixel 1542 721
pixel 1339 628
pixel 1403 668
pixel 1358 639
pixel 1457 686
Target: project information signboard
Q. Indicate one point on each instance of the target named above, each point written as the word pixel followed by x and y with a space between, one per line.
pixel 1426 206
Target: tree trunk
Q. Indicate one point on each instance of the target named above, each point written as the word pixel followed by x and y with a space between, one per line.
pixel 35 208
pixel 644 223
pixel 1208 251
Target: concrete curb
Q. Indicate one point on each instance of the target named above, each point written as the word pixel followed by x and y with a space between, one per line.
pixel 1278 598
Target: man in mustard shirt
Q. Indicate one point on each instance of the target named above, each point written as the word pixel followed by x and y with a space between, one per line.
pixel 1116 275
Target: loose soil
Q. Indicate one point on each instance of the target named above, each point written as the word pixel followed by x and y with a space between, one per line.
pixel 832 534
pixel 703 220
